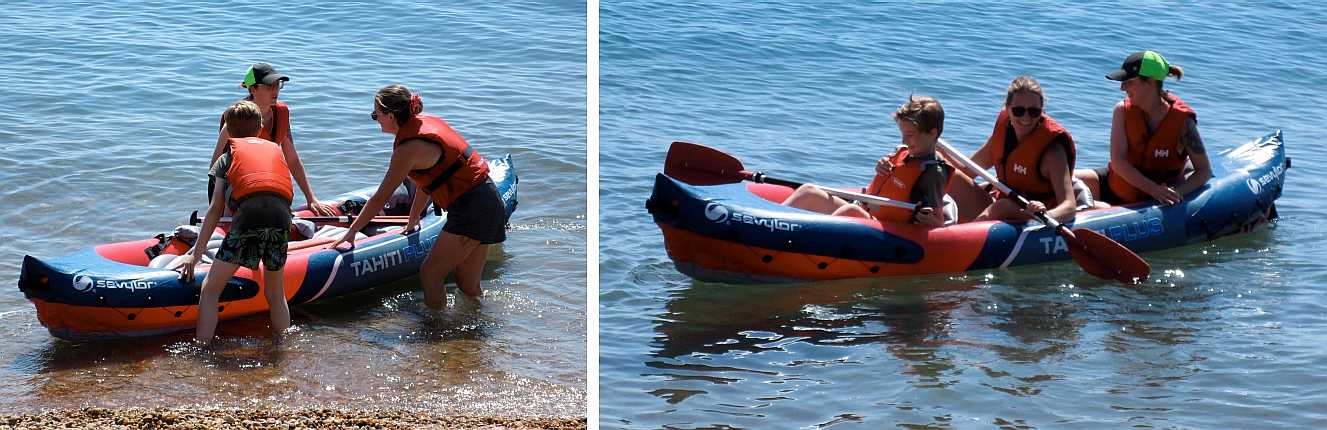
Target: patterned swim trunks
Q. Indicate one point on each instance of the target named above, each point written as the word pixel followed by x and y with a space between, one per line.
pixel 247 247
pixel 261 232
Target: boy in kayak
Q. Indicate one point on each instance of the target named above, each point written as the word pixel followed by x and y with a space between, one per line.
pixel 252 178
pixel 1153 139
pixel 914 173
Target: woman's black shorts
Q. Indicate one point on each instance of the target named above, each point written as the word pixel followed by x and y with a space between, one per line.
pixel 478 214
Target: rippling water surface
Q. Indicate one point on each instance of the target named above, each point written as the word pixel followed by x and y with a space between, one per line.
pixel 108 113
pixel 1229 334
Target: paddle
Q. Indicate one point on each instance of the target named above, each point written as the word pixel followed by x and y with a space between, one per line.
pixel 1094 252
pixel 195 220
pixel 701 165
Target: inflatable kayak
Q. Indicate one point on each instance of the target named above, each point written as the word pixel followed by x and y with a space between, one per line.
pixel 121 290
pixel 738 231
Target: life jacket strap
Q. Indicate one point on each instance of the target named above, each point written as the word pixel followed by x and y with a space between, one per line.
pixel 450 170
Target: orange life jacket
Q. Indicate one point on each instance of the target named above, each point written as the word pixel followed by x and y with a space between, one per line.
pixel 1157 154
pixel 257 165
pixel 1021 171
pixel 280 123
pixel 897 185
pixel 458 169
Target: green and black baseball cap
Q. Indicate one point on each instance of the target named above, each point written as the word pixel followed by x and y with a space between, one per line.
pixel 262 73
pixel 1143 63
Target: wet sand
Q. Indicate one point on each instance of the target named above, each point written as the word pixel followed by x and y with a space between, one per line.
pixel 101 418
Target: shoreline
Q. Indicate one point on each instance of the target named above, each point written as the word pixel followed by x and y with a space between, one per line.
pixel 234 418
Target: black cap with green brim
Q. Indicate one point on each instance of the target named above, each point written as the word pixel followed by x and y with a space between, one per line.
pixel 1145 63
pixel 262 73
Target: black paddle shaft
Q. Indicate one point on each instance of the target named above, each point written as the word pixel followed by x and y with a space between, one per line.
pixel 759 177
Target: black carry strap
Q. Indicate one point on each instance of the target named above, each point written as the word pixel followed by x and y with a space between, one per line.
pixel 450 170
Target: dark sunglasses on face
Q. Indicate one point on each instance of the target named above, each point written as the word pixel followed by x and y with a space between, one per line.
pixel 1019 111
pixel 374 115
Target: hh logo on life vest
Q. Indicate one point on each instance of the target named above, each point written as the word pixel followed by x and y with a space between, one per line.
pixel 1020 169
pixel 1162 153
pixel 897 182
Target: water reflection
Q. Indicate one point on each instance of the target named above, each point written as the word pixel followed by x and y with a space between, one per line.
pixel 1023 334
pixel 1042 321
pixel 911 318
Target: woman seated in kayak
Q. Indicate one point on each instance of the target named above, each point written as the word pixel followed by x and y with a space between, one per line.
pixel 1153 139
pixel 447 169
pixel 912 174
pixel 264 85
pixel 1033 155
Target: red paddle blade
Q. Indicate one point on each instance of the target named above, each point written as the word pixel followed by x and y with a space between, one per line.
pixel 1106 258
pixel 701 165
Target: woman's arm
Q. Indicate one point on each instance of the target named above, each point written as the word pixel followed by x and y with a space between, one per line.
pixel 221 144
pixel 1120 165
pixel 1055 165
pixel 296 166
pixel 397 169
pixel 417 205
pixel 983 156
pixel 1202 167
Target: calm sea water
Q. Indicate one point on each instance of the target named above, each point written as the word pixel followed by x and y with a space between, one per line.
pixel 108 113
pixel 1230 334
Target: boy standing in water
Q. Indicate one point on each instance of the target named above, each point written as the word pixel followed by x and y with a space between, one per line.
pixel 252 177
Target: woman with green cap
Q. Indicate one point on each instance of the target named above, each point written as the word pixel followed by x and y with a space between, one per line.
pixel 264 85
pixel 1154 139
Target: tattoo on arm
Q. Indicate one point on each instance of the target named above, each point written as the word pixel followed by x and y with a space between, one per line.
pixel 1191 140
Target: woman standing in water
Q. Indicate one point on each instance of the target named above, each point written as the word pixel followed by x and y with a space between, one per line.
pixel 445 168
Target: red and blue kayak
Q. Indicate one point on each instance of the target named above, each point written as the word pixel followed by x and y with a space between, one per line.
pixel 738 232
pixel 110 291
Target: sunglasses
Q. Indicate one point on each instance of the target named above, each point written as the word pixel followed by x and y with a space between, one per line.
pixel 1019 111
pixel 374 115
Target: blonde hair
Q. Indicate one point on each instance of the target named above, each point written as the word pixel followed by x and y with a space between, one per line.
pixel 243 119
pixel 1024 84
pixel 922 112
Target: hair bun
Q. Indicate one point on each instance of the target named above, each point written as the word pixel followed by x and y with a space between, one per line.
pixel 416 104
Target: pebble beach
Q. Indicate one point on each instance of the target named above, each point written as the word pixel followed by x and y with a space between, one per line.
pixel 101 418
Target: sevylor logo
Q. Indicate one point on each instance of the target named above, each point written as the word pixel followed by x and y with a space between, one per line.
pixel 720 214
pixel 716 212
pixel 84 283
pixel 1254 185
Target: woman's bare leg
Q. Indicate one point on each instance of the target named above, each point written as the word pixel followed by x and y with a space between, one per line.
pixel 446 255
pixel 470 271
